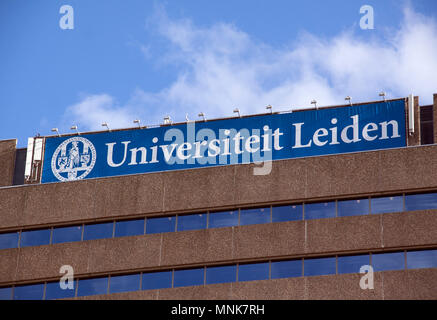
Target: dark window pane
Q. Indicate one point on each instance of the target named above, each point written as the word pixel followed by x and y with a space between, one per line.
pixel 89 287
pixel 157 225
pixel 9 240
pixel 189 277
pixel 221 274
pixel 254 216
pixel 352 264
pixel 421 201
pixel 319 266
pixel 35 238
pixel 353 207
pixel 192 222
pixel 253 271
pixel 286 269
pixel 98 231
pixel 422 259
pixel 388 261
pixel 156 280
pixel 124 283
pixel 129 228
pixel 29 292
pixel 287 213
pixel 67 234
pixel 54 291
pixel 387 204
pixel 6 293
pixel 223 219
pixel 320 210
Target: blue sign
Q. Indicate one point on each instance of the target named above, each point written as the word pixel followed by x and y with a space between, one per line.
pixel 222 142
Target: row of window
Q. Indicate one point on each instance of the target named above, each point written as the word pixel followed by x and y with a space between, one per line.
pixel 222 274
pixel 336 208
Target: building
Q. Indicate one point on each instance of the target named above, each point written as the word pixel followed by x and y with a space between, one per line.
pixel 302 231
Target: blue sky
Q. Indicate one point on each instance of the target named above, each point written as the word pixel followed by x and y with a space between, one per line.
pixel 147 59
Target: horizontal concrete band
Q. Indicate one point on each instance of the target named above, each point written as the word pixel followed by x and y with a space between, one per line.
pixel 374 172
pixel 408 284
pixel 222 245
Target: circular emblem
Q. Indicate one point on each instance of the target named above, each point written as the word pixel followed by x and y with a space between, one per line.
pixel 73 159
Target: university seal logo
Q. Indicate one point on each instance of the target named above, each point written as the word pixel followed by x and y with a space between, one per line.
pixel 73 159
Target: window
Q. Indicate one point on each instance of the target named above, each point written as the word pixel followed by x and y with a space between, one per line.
pixel 67 234
pixel 253 271
pixel 189 277
pixel 35 238
pixel 320 210
pixel 29 292
pixel 319 266
pixel 157 225
pixel 124 283
pixel 388 261
pixel 422 259
pixel 89 287
pixel 221 274
pixel 254 216
pixel 9 240
pixel 353 207
pixel 286 269
pixel 129 228
pixel 352 264
pixel 192 222
pixel 223 219
pixel 54 291
pixel 387 204
pixel 6 293
pixel 98 231
pixel 421 201
pixel 287 213
pixel 156 280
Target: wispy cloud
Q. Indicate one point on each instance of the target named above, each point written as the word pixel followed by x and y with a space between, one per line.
pixel 222 67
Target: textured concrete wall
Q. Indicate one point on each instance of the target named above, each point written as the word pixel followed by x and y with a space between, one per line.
pixel 315 178
pixel 222 245
pixel 7 162
pixel 388 285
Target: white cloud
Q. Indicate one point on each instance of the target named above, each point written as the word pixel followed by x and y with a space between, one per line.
pixel 223 67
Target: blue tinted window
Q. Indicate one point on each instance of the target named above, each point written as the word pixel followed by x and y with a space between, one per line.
pixel 352 264
pixel 89 287
pixel 223 219
pixel 189 277
pixel 319 266
pixel 124 283
pixel 387 204
pixel 54 291
pixel 98 231
pixel 422 259
pixel 157 225
pixel 35 238
pixel 156 280
pixel 320 210
pixel 129 228
pixel 253 271
pixel 221 274
pixel 6 293
pixel 9 240
pixel 192 222
pixel 254 216
pixel 286 269
pixel 67 234
pixel 29 292
pixel 421 201
pixel 353 207
pixel 287 213
pixel 388 261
